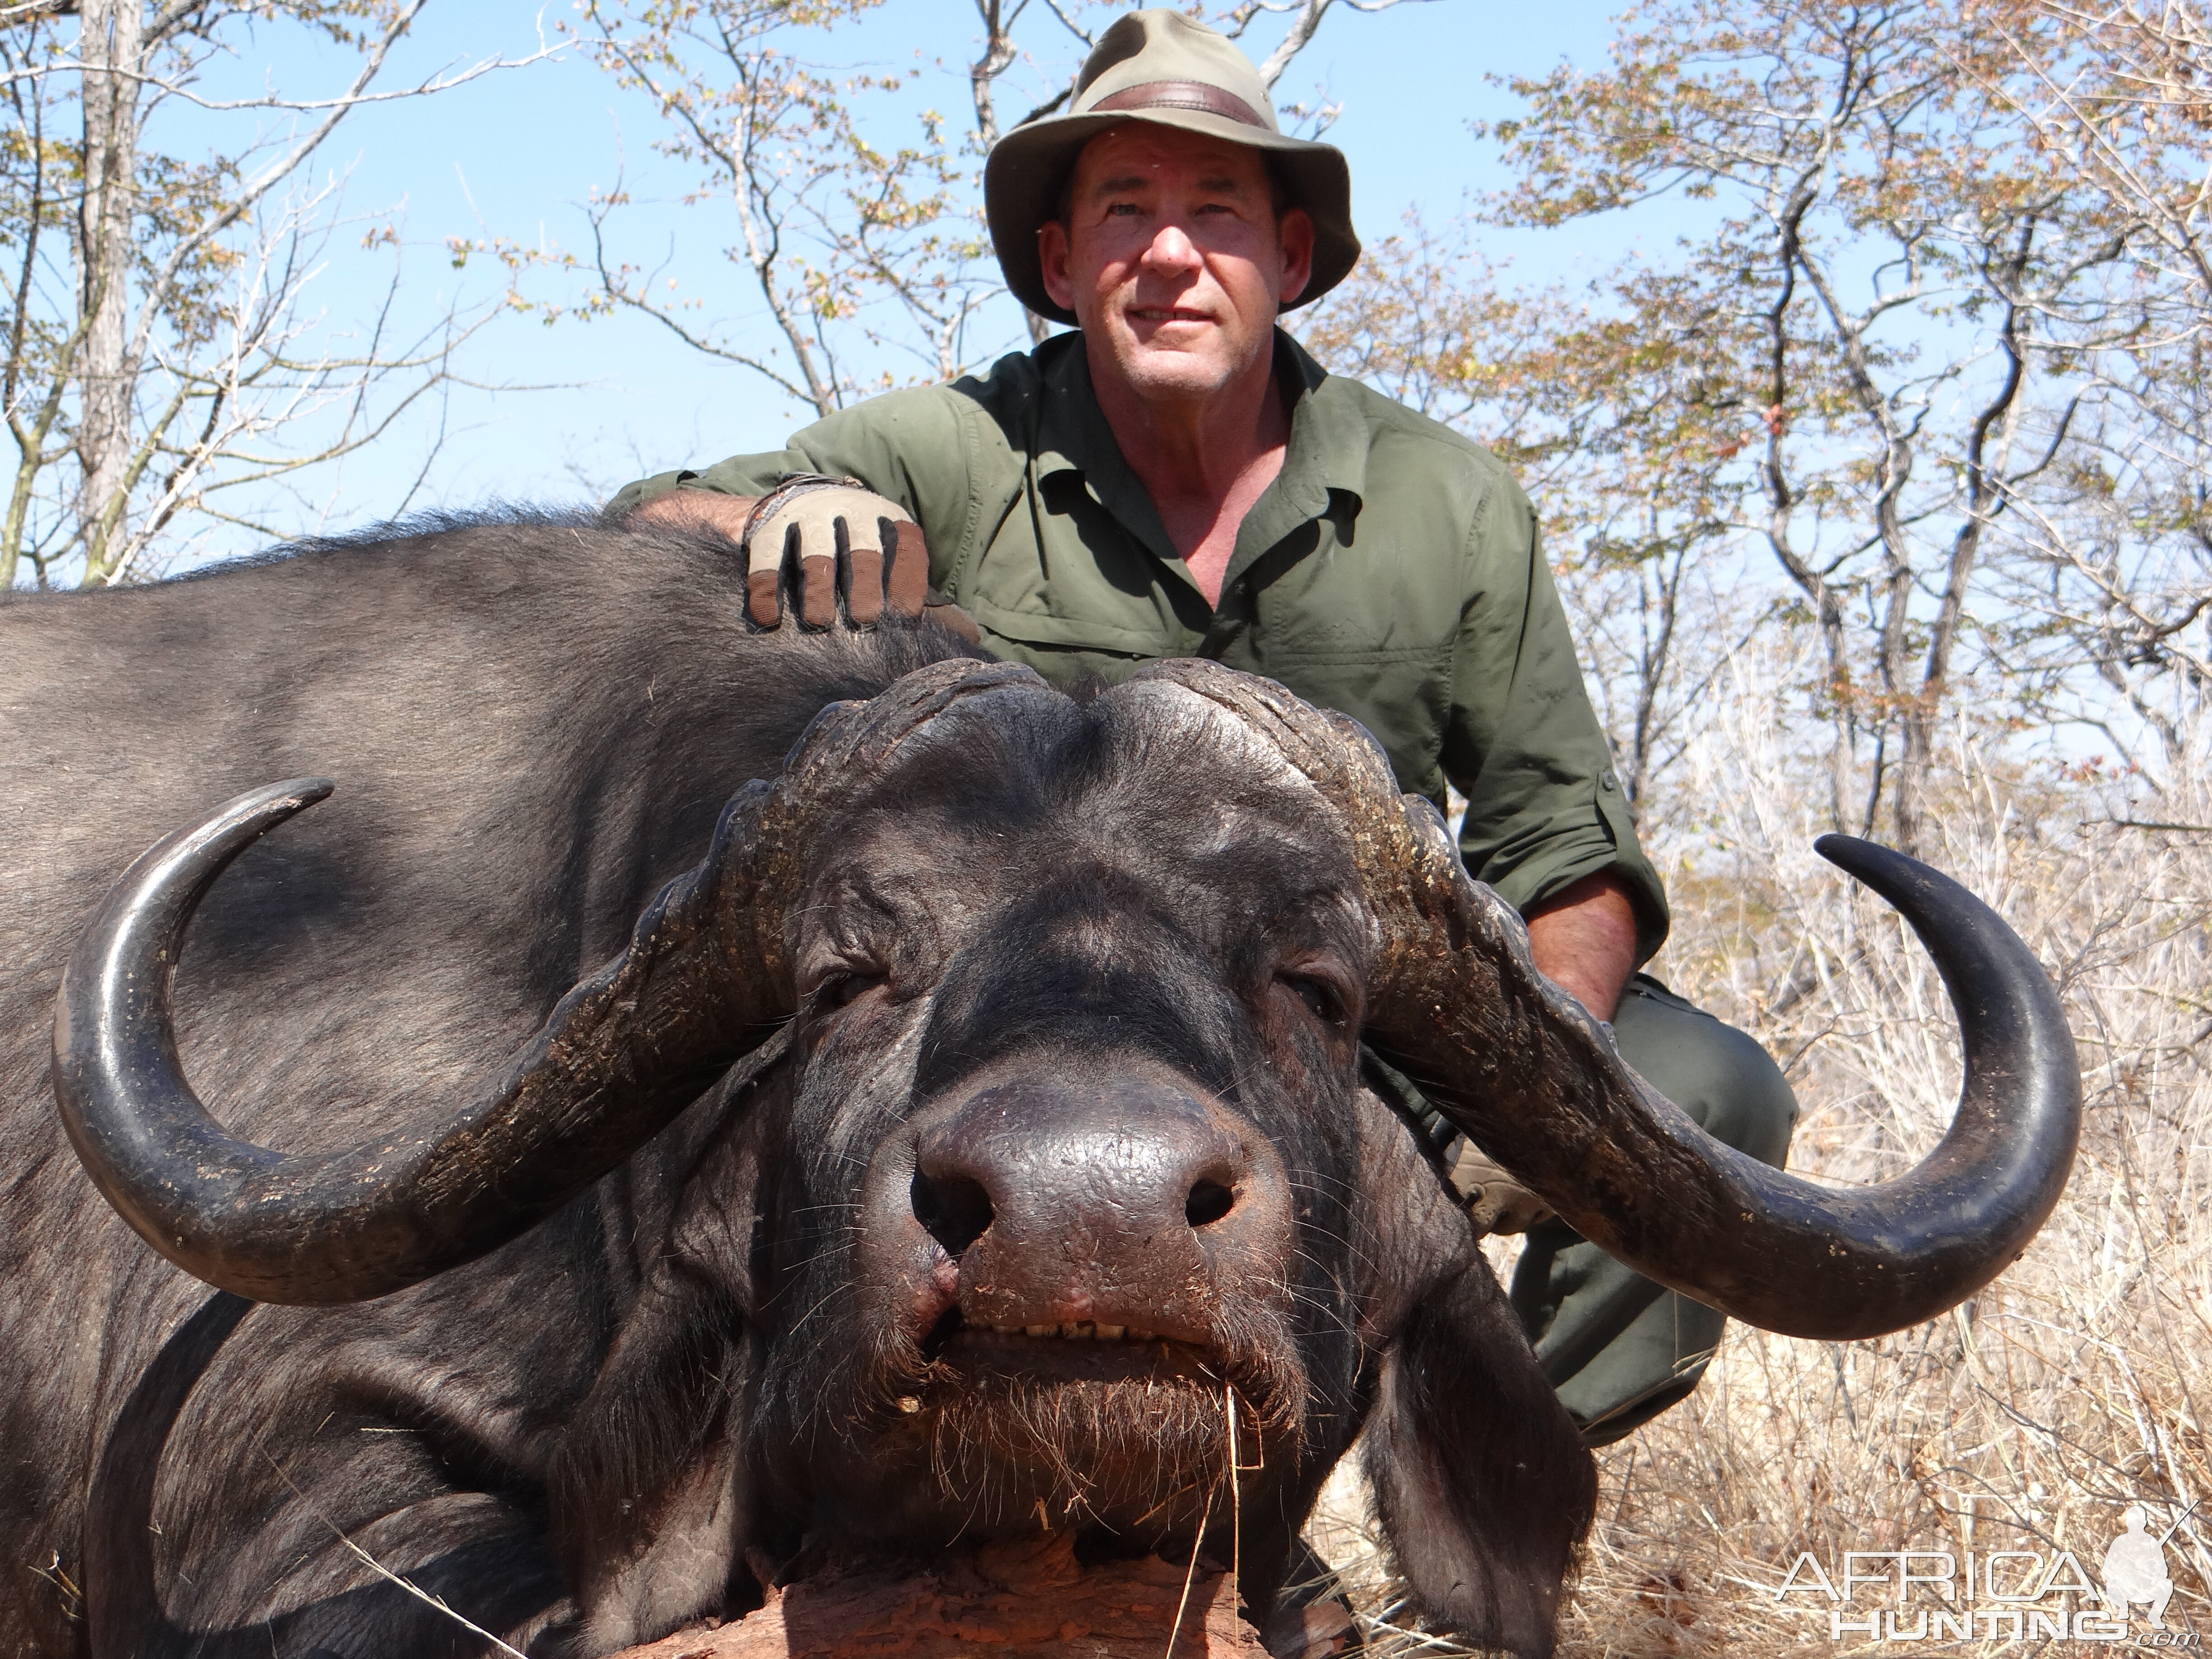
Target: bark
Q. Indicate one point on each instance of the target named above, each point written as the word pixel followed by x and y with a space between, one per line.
pixel 999 55
pixel 1987 448
pixel 1782 496
pixel 113 47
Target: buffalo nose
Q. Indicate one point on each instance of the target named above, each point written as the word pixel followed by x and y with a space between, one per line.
pixel 1126 1203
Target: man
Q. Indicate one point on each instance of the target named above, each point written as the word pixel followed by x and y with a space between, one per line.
pixel 2135 1571
pixel 1179 478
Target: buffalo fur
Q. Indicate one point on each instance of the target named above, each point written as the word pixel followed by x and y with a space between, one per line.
pixel 580 1441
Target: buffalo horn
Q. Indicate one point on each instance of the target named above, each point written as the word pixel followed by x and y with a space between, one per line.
pixel 705 978
pixel 1523 1070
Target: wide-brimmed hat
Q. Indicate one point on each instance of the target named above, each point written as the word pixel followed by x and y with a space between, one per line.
pixel 1157 65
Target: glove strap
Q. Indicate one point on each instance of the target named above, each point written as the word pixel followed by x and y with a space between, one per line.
pixel 790 484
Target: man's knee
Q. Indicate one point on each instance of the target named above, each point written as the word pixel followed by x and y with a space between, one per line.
pixel 1716 1073
pixel 1656 1363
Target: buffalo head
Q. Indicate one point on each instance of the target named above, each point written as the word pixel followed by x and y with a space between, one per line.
pixel 1053 1195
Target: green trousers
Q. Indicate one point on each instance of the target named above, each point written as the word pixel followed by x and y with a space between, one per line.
pixel 1619 1348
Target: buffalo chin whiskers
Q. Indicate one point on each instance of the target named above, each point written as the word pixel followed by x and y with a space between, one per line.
pixel 1133 1454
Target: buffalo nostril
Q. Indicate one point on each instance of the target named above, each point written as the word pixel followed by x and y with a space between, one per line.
pixel 1208 1203
pixel 954 1209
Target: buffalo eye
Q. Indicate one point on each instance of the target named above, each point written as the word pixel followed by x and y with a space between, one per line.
pixel 842 985
pixel 1323 999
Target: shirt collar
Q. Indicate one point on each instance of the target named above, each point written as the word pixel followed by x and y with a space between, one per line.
pixel 1327 451
pixel 1073 436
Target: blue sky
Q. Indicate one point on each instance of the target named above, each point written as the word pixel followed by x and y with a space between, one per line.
pixel 516 154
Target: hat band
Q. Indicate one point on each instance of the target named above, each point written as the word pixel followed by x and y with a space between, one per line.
pixel 1182 94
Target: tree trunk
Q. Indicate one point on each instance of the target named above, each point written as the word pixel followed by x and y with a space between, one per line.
pixel 999 54
pixel 1988 451
pixel 112 46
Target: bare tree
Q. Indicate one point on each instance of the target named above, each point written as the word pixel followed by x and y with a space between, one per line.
pixel 159 350
pixel 860 254
pixel 2118 568
pixel 870 259
pixel 1863 363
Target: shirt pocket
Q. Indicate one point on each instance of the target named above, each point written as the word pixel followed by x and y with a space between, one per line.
pixel 1057 592
pixel 1403 697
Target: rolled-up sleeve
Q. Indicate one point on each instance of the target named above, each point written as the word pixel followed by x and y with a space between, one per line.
pixel 1544 808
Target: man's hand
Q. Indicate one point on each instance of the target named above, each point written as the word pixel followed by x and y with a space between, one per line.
pixel 817 525
pixel 815 540
pixel 1584 940
pixel 1496 1202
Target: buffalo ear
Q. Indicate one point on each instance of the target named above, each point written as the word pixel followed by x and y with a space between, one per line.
pixel 1483 1487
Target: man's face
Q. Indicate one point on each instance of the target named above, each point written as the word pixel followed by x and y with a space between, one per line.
pixel 1173 259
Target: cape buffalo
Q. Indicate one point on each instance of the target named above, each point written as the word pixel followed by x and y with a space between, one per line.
pixel 963 1130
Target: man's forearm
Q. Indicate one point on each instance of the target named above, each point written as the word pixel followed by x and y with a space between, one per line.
pixel 1584 939
pixel 700 508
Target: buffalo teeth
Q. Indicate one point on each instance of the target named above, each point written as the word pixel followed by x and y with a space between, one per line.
pixel 1110 1333
pixel 1083 1328
pixel 1041 1330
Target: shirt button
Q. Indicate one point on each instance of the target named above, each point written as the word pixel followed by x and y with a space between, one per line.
pixel 1606 781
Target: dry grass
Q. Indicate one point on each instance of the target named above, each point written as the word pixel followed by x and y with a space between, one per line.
pixel 2077 1382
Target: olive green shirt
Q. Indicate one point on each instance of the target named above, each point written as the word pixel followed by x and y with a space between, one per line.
pixel 1392 571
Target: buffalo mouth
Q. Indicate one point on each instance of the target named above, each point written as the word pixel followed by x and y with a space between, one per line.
pixel 1081 1329
pixel 961 1352
pixel 1094 1423
pixel 1081 1350
pixel 955 1327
